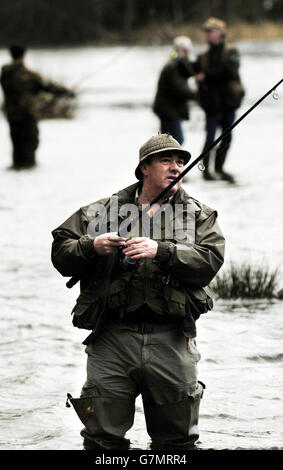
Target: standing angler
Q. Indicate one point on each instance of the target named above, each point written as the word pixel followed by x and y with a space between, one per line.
pixel 173 92
pixel 141 296
pixel 21 87
pixel 220 92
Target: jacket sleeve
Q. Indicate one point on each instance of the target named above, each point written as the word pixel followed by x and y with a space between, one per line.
pixel 72 249
pixel 195 264
pixel 176 87
pixel 39 84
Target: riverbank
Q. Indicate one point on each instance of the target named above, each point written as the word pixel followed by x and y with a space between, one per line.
pixel 163 33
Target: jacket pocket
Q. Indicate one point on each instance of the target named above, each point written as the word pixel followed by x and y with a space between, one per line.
pixel 86 311
pixel 198 302
pixel 176 301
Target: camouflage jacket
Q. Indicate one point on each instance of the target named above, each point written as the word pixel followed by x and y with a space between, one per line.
pixel 21 87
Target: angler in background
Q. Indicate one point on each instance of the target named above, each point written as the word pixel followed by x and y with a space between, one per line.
pixel 220 92
pixel 173 92
pixel 21 88
pixel 141 298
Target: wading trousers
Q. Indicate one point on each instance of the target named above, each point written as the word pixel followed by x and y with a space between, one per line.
pixel 172 127
pixel 213 122
pixel 127 360
pixel 25 139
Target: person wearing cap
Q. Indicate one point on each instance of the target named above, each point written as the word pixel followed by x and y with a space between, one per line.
pixel 173 92
pixel 141 297
pixel 220 93
pixel 21 87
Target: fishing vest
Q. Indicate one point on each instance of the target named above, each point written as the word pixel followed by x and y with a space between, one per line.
pixel 146 284
pixel 123 290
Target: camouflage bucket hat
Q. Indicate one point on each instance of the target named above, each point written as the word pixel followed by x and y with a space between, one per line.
pixel 157 144
pixel 214 23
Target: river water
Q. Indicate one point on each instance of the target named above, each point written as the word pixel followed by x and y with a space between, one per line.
pixel 91 156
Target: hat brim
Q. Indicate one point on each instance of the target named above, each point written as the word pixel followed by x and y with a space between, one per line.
pixel 169 150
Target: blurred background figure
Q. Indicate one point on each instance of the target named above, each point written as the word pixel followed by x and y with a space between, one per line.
pixel 173 92
pixel 220 92
pixel 21 87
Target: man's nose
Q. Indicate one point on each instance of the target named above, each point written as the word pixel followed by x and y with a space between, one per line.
pixel 174 166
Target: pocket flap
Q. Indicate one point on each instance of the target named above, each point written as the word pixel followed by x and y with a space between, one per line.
pixel 199 293
pixel 116 286
pixel 83 302
pixel 174 295
pixel 79 309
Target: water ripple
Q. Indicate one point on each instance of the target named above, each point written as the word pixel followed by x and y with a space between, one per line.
pixel 266 357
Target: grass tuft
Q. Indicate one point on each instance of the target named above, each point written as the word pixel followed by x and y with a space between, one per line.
pixel 246 281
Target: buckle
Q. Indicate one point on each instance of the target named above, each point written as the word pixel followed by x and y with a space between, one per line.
pixel 145 328
pixel 165 279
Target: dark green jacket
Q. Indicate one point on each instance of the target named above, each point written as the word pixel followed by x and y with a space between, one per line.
pixel 188 268
pixel 173 92
pixel 222 88
pixel 21 86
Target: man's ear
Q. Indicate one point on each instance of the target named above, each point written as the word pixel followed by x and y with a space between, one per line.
pixel 144 168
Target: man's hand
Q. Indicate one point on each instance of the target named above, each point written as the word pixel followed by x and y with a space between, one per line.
pixel 200 77
pixel 141 247
pixel 107 243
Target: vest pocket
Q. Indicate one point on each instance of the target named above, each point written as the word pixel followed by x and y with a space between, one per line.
pixel 117 294
pixel 176 301
pixel 86 311
pixel 198 302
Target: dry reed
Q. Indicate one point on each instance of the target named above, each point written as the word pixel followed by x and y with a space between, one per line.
pixel 247 281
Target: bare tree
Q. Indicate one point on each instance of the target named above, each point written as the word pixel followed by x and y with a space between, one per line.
pixel 129 15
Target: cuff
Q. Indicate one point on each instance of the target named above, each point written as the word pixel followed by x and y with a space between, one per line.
pixel 88 248
pixel 164 252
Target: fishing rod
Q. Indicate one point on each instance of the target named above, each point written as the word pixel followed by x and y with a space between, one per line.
pixel 200 157
pixel 75 279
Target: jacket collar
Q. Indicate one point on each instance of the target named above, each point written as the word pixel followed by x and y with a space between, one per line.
pixel 128 195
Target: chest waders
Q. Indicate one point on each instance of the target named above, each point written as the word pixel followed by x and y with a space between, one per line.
pixel 155 361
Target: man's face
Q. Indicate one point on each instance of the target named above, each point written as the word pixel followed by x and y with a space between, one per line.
pixel 183 53
pixel 214 36
pixel 161 171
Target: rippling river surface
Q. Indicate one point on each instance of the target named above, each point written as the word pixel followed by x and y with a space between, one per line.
pixel 92 156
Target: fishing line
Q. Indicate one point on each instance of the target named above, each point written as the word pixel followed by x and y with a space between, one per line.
pixel 101 68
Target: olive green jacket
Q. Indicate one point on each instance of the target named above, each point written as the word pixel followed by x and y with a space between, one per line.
pixel 183 269
pixel 21 86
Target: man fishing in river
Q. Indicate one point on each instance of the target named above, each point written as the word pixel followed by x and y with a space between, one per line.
pixel 141 296
pixel 21 88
